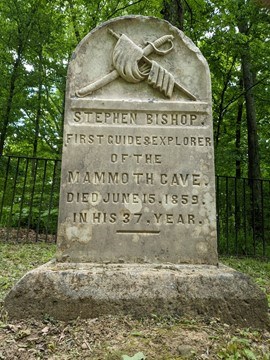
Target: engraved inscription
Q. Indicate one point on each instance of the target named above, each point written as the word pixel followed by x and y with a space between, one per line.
pixel 116 178
pixel 139 158
pixel 153 140
pixel 171 119
pixel 137 118
pixel 105 117
pixel 132 198
pixel 157 219
pixel 157 204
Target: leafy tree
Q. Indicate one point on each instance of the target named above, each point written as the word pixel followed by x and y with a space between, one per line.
pixel 38 38
pixel 233 59
pixel 16 18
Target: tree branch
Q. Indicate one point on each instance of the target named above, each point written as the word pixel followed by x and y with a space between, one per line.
pixel 242 93
pixel 123 8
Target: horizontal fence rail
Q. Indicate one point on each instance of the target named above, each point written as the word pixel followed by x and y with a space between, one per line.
pixel 29 196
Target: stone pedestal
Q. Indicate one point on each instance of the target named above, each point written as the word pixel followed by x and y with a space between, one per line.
pixel 66 291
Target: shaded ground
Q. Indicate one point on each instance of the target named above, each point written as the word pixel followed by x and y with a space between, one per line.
pixel 22 235
pixel 110 338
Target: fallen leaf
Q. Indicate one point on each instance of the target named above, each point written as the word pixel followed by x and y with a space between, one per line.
pixel 138 356
pixel 45 330
pixel 23 333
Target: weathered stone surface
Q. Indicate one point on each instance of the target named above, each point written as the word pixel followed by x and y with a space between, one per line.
pixel 138 164
pixel 68 290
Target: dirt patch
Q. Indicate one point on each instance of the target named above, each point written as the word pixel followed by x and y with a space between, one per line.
pixel 110 338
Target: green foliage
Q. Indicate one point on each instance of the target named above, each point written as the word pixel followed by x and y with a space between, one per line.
pixel 38 38
pixel 215 29
pixel 237 349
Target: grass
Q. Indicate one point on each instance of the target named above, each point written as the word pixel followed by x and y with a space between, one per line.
pixel 119 338
pixel 17 259
pixel 258 270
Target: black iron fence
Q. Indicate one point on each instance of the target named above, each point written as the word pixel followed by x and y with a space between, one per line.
pixel 243 214
pixel 29 195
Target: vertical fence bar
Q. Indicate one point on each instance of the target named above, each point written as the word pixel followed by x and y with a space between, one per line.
pixel 218 212
pixel 34 176
pixel 236 217
pixel 227 217
pixel 22 198
pixel 56 163
pixel 253 216
pixel 262 207
pixel 41 198
pixel 13 198
pixel 50 202
pixel 245 215
pixel 268 224
pixel 4 188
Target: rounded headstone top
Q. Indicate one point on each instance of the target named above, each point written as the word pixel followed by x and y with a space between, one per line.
pixel 138 57
pixel 137 172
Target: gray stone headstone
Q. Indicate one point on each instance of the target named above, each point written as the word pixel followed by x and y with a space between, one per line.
pixel 138 167
pixel 137 193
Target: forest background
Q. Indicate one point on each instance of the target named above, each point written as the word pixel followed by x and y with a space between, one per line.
pixel 39 36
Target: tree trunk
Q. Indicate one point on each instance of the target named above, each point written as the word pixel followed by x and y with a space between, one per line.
pixel 221 107
pixel 173 11
pixel 238 132
pixel 254 171
pixel 23 35
pixel 238 184
pixel 39 107
pixel 7 113
pixel 74 20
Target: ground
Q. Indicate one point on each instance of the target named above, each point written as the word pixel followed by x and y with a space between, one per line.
pixel 112 338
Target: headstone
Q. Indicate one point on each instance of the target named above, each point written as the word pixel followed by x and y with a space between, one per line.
pixel 138 163
pixel 137 227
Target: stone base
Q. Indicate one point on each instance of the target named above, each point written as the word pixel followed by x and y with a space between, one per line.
pixel 65 291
